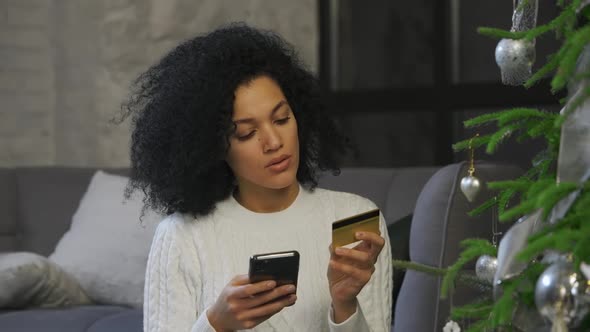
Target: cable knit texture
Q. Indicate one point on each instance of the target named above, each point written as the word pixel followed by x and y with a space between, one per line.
pixel 191 260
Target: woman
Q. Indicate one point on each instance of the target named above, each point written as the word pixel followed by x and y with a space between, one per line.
pixel 228 138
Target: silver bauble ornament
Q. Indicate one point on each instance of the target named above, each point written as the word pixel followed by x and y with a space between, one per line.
pixel 560 294
pixel 515 57
pixel 585 268
pixel 470 186
pixel 485 268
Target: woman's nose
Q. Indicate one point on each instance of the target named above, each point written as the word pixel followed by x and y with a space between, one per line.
pixel 271 140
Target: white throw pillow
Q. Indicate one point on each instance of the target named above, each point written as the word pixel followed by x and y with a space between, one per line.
pixel 107 246
pixel 28 280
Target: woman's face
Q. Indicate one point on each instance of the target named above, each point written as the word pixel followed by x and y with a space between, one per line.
pixel 264 150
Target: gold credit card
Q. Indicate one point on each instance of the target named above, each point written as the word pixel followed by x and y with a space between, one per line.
pixel 343 230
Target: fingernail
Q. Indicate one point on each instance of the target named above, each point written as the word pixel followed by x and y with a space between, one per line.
pixel 359 234
pixel 270 284
pixel 339 250
pixel 291 288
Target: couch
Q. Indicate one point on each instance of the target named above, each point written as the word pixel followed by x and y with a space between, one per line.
pixel 38 203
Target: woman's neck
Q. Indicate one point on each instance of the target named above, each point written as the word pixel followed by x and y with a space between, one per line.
pixel 265 200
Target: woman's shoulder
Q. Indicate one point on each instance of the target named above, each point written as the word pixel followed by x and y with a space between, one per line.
pixel 342 200
pixel 176 224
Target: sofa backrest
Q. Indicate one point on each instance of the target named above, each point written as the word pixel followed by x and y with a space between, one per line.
pixel 394 190
pixel 8 206
pixel 38 202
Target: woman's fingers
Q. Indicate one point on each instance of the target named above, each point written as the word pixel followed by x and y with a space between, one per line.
pixel 356 257
pixel 269 296
pixel 364 254
pixel 268 309
pixel 242 305
pixel 249 290
pixel 240 279
pixel 375 240
pixel 361 275
pixel 371 242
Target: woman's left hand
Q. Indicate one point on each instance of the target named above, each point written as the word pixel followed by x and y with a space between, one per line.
pixel 350 270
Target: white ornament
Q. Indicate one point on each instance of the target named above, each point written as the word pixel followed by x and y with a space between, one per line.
pixel 485 268
pixel 452 326
pixel 559 295
pixel 586 270
pixel 515 57
pixel 470 186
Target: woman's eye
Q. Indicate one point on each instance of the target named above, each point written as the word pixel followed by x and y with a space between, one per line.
pixel 247 136
pixel 283 120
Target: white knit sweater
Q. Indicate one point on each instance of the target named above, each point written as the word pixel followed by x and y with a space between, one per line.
pixel 191 261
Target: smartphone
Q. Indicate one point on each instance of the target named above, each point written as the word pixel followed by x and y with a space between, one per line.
pixel 283 267
pixel 343 230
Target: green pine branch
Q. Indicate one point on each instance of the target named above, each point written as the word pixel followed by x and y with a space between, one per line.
pixel 474 142
pixel 519 114
pixel 543 194
pixel 502 134
pixel 504 198
pixel 547 199
pixel 479 309
pixel 541 128
pixel 463 277
pixel 508 122
pixel 548 68
pixel 520 185
pixel 473 249
pixel 485 118
pixel 430 270
pixel 561 241
pixel 572 50
pixel 537 188
pixel 504 307
pixel 490 203
pixel 514 213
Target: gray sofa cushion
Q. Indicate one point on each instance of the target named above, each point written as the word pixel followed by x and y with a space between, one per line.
pixel 440 223
pixel 404 189
pixel 8 226
pixel 382 186
pixel 47 197
pixel 30 280
pixel 399 236
pixel 373 185
pixel 76 319
pixel 125 321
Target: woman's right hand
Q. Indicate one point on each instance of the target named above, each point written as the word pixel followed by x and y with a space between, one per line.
pixel 242 305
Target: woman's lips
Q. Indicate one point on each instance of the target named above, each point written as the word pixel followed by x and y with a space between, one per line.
pixel 281 165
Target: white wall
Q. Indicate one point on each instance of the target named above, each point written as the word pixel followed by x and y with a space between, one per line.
pixel 27 83
pixel 66 66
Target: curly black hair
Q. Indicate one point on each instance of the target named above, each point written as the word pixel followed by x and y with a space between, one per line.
pixel 181 110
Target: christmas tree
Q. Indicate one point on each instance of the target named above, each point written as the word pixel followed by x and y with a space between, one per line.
pixel 539 277
pixel 540 257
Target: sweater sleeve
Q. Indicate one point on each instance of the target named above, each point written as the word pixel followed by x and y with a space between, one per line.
pixel 354 323
pixel 373 313
pixel 172 284
pixel 375 298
